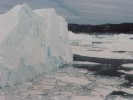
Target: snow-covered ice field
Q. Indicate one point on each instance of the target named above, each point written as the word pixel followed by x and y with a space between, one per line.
pixel 67 83
pixel 103 46
pixel 74 83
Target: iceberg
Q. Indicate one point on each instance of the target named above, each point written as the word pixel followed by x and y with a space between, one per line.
pixel 32 42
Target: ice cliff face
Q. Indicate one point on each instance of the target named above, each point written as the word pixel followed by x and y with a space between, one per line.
pixel 31 43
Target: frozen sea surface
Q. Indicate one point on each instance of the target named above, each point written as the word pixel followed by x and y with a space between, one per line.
pixel 103 46
pixel 69 83
pixel 81 80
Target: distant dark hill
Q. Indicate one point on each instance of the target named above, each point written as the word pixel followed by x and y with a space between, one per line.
pixel 126 28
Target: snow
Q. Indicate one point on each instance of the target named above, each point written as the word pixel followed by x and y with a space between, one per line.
pixel 31 43
pixel 80 62
pixel 86 98
pixel 52 86
pixel 127 72
pixel 127 65
pixel 73 80
pixel 103 46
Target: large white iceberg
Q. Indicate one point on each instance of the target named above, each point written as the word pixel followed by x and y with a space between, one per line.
pixel 31 43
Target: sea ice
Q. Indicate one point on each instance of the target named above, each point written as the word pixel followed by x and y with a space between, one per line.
pixel 31 43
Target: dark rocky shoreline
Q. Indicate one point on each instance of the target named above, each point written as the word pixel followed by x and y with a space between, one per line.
pixel 126 28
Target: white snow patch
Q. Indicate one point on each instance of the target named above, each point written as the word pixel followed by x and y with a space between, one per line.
pixel 89 63
pixel 87 98
pixel 128 65
pixel 74 80
pixel 126 72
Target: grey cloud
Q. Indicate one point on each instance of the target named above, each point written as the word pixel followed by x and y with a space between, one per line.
pixel 82 11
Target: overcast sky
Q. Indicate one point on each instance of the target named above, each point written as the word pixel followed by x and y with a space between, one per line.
pixel 82 11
